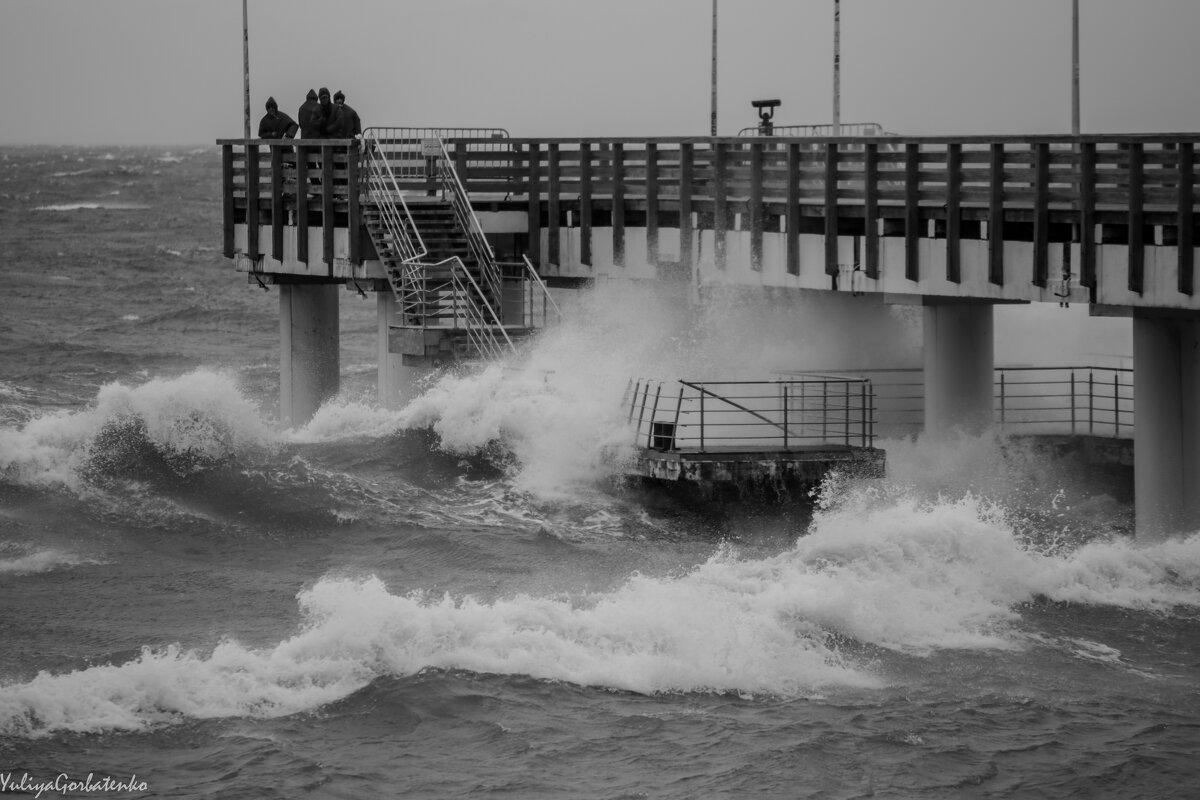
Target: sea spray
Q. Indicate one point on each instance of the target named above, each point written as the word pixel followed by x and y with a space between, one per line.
pixel 904 575
pixel 191 420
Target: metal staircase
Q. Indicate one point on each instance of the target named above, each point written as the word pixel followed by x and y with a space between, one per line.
pixel 452 295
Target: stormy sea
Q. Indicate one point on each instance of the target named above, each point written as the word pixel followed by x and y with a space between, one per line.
pixel 460 597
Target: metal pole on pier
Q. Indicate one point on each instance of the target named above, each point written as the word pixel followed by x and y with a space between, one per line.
pixel 713 124
pixel 837 67
pixel 1075 67
pixel 246 68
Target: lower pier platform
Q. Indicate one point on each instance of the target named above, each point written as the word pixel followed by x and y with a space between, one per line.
pixel 730 473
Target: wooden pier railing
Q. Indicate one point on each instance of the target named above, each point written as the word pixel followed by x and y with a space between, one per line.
pixel 1127 189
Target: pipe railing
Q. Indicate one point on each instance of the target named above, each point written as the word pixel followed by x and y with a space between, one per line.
pixel 702 416
pixel 1074 400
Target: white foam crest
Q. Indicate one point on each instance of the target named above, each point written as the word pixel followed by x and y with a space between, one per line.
pixel 160 686
pixel 341 419
pixel 914 575
pixel 1156 576
pixel 691 633
pixel 38 561
pixel 202 413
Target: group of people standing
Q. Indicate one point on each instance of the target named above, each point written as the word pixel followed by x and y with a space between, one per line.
pixel 320 117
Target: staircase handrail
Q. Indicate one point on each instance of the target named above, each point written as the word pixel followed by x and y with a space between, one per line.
pixel 382 180
pixel 479 330
pixel 477 240
pixel 546 297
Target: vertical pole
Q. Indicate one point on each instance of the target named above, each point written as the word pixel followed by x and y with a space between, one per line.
pixel 837 68
pixel 653 414
pixel 1091 402
pixel 1075 67
pixel 1072 402
pixel 702 414
pixel 246 67
pixel 1002 398
pixel 785 416
pixel 713 122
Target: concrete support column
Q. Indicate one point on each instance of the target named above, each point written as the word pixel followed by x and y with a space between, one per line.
pixel 309 370
pixel 1166 455
pixel 391 366
pixel 959 362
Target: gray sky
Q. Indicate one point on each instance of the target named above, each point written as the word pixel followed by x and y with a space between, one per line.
pixel 169 72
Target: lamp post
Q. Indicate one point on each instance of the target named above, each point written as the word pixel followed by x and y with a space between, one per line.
pixel 713 122
pixel 246 68
pixel 1075 67
pixel 837 67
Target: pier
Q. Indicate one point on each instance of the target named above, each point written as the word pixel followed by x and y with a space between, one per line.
pixel 461 232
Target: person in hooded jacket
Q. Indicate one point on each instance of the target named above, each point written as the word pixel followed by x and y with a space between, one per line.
pixel 309 117
pixel 345 123
pixel 275 124
pixel 323 115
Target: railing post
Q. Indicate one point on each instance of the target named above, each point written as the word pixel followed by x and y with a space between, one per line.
pixel 1136 235
pixel 785 416
pixel 756 206
pixel 354 211
pixel 1091 404
pixel 642 411
pixel 534 209
pixel 1116 406
pixel 824 410
pixel 618 204
pixel 721 203
pixel 846 410
pixel 686 161
pixel 678 408
pixel 585 203
pixel 1072 402
pixel 831 210
pixel 252 249
pixel 912 211
pixel 793 209
pixel 653 414
pixel 953 213
pixel 1185 217
pixel 652 203
pixel 553 243
pixel 227 194
pixel 1041 214
pixel 996 215
pixel 871 209
pixel 862 411
pixel 702 420
pixel 1002 399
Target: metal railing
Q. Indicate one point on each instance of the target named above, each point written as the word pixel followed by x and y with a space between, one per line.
pixel 1092 401
pixel 807 411
pixel 410 150
pixel 464 215
pixel 537 306
pixel 851 129
pixel 1075 400
pixel 399 233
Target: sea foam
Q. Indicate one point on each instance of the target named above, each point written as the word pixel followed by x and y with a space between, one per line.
pixel 905 575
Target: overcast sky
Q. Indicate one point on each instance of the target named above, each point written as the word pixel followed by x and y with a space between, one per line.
pixel 169 72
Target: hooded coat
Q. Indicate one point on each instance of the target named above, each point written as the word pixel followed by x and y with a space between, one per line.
pixel 310 117
pixel 275 124
pixel 344 122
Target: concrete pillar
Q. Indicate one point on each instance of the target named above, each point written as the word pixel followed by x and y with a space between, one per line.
pixel 959 362
pixel 391 366
pixel 309 341
pixel 1166 454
